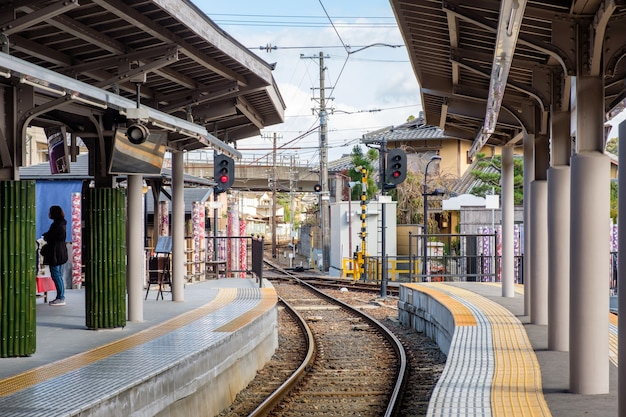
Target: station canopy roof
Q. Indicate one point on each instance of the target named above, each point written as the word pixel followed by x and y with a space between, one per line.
pixel 98 56
pixel 489 69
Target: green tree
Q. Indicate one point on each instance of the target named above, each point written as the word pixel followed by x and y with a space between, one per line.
pixel 409 196
pixel 489 173
pixel 283 200
pixel 612 146
pixel 614 191
pixel 359 159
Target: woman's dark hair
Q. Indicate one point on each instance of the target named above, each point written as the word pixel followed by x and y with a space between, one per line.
pixel 56 213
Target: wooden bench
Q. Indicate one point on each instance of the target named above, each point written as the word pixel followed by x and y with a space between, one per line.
pixel 214 268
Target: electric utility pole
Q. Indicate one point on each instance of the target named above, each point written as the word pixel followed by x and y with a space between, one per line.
pixel 323 144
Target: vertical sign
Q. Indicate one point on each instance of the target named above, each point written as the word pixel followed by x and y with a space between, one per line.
pixel 57 150
pixel 77 256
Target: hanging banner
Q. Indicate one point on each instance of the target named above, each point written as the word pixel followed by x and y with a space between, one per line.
pixel 243 253
pixel 77 242
pixel 57 150
pixel 164 223
pixel 197 218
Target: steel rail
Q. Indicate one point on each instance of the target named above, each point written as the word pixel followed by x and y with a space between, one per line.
pixel 394 400
pixel 277 396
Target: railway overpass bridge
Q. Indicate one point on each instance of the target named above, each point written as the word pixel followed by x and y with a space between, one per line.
pixel 258 176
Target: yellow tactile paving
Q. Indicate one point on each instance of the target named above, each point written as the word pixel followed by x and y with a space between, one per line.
pixel 268 301
pixel 462 315
pixel 612 326
pixel 613 338
pixel 516 387
pixel 52 370
pixel 518 288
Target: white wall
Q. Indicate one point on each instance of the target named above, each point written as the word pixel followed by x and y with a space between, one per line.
pixel 339 231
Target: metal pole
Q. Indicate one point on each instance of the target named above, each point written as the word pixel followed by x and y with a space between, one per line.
pixel 383 279
pixel 324 170
pixel 274 254
pixel 350 220
pixel 215 217
pixel 410 257
pixel 425 231
pixel 363 252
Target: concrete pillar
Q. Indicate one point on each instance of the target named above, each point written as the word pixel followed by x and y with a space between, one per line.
pixel 508 221
pixel 590 244
pixel 135 265
pixel 558 257
pixel 529 176
pixel 621 279
pixel 539 243
pixel 178 228
pixel 559 187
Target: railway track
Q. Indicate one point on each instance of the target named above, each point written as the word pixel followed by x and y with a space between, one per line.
pixel 351 366
pixel 424 360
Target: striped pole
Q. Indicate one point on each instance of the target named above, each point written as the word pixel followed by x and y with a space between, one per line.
pixel 361 253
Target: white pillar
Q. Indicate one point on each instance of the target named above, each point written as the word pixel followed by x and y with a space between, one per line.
pixel 589 265
pixel 508 221
pixel 178 228
pixel 529 176
pixel 590 244
pixel 558 257
pixel 135 266
pixel 559 186
pixel 539 243
pixel 621 279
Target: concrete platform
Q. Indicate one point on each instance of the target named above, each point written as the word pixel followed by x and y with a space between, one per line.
pixel 498 364
pixel 186 358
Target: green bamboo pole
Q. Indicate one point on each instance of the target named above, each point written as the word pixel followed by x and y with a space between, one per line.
pixel 104 211
pixel 17 269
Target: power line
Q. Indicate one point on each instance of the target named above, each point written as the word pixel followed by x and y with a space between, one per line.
pixel 269 47
pixel 334 28
pixel 273 16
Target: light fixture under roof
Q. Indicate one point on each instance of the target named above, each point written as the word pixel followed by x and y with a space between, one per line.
pixel 43 85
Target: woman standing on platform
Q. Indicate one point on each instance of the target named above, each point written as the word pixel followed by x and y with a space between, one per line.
pixel 55 252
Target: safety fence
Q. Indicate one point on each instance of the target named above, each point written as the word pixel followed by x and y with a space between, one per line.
pixel 234 257
pixel 448 257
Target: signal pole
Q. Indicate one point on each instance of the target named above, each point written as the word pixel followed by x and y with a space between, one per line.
pixel 324 170
pixel 383 203
pixel 274 179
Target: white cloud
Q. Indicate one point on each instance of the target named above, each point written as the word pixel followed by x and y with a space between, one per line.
pixel 372 79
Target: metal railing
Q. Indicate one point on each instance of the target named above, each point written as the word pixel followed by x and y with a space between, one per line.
pixel 449 257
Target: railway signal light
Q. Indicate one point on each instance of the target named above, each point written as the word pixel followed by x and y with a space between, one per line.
pixel 223 172
pixel 396 168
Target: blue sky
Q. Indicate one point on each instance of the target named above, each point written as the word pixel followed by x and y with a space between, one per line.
pixel 372 89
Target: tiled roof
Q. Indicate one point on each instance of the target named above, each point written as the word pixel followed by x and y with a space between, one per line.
pixel 416 129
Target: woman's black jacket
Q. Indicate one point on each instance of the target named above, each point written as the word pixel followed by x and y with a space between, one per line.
pixel 54 251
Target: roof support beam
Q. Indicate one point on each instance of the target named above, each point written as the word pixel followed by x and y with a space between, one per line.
pixel 75 87
pixel 143 68
pixel 128 13
pixel 200 96
pixel 37 16
pixel 248 110
pixel 600 22
pixel 509 24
